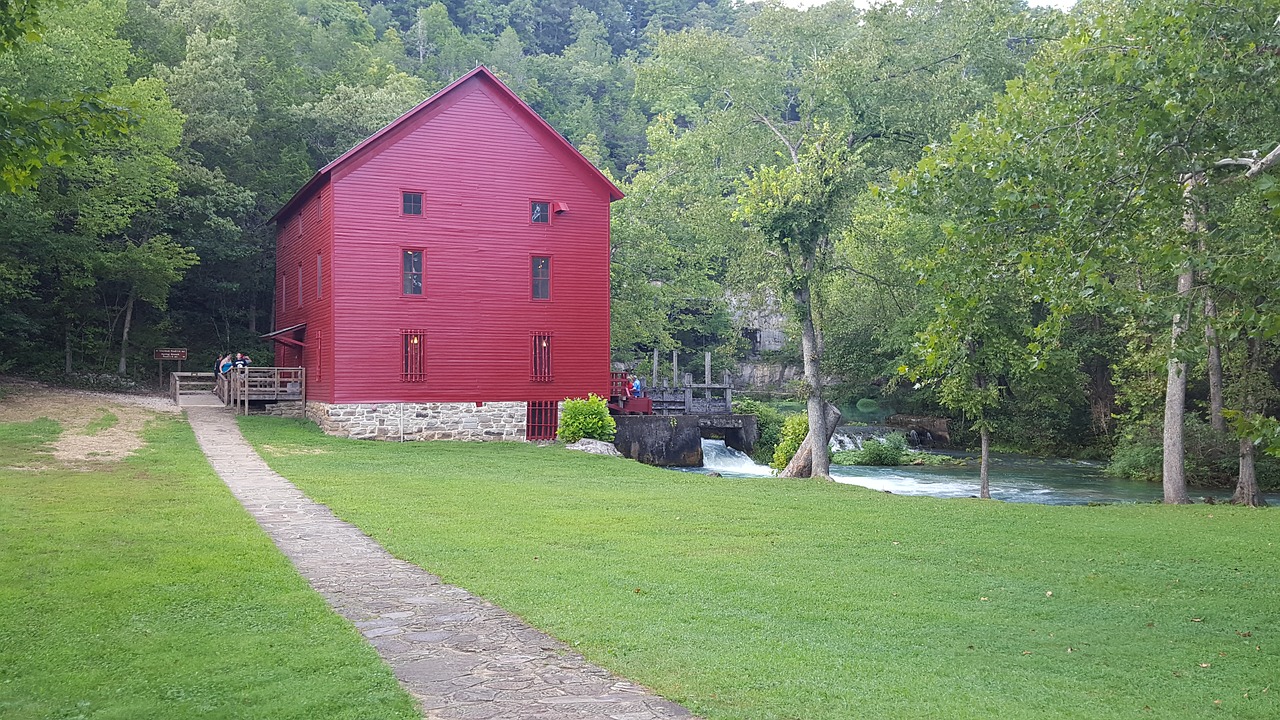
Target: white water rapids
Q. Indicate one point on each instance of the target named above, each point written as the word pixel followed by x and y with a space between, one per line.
pixel 1014 478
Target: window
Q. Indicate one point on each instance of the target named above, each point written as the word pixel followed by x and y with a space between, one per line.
pixel 412 267
pixel 540 274
pixel 284 290
pixel 411 203
pixel 319 275
pixel 540 357
pixel 414 367
pixel 540 420
pixel 319 351
pixel 299 284
pixel 540 211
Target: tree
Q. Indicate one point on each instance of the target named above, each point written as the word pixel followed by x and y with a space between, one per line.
pixel 39 129
pixel 1105 164
pixel 875 86
pixel 795 208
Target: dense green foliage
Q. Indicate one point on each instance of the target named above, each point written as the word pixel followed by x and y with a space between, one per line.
pixel 586 418
pixel 768 425
pixel 143 590
pixel 793 598
pixel 887 451
pixel 794 429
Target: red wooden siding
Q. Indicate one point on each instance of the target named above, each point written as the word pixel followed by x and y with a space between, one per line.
pixel 304 250
pixel 479 159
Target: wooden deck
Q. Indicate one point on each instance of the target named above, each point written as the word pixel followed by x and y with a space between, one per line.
pixel 240 386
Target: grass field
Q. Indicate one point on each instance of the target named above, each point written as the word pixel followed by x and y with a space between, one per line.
pixel 767 598
pixel 141 589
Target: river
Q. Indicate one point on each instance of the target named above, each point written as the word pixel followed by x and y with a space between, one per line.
pixel 1014 478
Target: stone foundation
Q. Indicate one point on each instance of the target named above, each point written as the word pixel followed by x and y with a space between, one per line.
pixel 284 408
pixel 421 421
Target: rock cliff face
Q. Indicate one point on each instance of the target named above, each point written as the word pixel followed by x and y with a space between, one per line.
pixel 934 428
pixel 762 376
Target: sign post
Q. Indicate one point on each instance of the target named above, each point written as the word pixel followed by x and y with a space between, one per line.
pixel 162 354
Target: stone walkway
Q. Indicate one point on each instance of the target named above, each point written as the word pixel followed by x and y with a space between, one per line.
pixel 460 656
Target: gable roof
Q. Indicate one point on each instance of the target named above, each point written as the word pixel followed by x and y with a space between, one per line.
pixel 532 121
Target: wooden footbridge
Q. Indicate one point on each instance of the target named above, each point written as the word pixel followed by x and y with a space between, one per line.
pixel 238 387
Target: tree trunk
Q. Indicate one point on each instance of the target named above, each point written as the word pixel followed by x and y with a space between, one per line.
pixel 801 464
pixel 253 313
pixel 1173 472
pixel 1175 400
pixel 1247 492
pixel 124 334
pixel 984 470
pixel 1215 368
pixel 819 451
pixel 66 350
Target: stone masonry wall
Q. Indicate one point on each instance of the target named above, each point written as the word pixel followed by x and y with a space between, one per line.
pixel 284 408
pixel 421 421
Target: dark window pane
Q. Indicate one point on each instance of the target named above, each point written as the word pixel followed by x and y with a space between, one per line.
pixel 412 272
pixel 539 212
pixel 412 203
pixel 541 277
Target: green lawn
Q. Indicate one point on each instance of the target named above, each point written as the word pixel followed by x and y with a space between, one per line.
pixel 143 590
pixel 765 598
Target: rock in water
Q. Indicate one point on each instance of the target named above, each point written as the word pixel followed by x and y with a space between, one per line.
pixel 594 447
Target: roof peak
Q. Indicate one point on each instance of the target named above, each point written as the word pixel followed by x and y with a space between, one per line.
pixel 484 74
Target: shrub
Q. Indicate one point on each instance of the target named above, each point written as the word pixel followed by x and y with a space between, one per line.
pixel 888 451
pixel 1211 458
pixel 794 428
pixel 769 424
pixel 586 418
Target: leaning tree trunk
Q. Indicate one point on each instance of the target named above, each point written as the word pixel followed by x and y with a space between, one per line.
pixel 820 452
pixel 984 470
pixel 1215 368
pixel 1247 492
pixel 124 334
pixel 801 464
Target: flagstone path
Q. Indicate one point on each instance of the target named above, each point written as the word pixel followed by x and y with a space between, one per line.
pixel 460 656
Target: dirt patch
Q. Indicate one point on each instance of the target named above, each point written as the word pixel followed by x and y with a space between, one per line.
pixel 294 450
pixel 84 441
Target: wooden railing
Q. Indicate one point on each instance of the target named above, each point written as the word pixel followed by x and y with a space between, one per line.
pixel 690 398
pixel 238 386
pixel 190 383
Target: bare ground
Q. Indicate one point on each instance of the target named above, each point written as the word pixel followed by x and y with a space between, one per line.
pixel 89 434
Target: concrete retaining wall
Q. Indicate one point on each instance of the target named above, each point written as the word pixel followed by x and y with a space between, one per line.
pixel 667 440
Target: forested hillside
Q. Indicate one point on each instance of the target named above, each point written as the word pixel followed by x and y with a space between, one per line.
pixel 1042 225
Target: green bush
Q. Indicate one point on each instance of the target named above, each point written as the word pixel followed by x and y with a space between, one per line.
pixel 1212 459
pixel 794 428
pixel 888 451
pixel 768 423
pixel 587 418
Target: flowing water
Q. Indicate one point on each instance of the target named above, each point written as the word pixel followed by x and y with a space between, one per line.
pixel 1014 478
